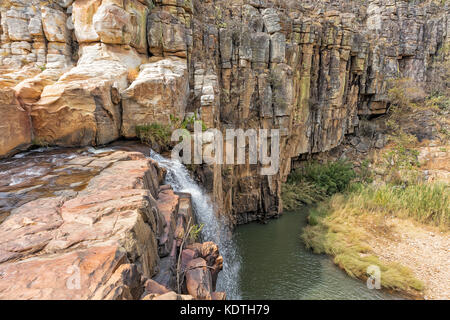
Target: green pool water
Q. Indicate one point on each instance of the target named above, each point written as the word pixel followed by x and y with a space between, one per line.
pixel 276 265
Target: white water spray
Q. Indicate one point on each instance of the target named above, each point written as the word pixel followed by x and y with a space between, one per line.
pixel 214 229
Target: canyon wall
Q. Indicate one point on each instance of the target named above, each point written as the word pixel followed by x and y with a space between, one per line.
pixel 99 226
pixel 86 72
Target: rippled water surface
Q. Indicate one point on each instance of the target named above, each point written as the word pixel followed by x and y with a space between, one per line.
pixel 276 265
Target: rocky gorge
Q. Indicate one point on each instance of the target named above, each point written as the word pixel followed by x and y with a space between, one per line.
pixel 100 226
pixel 81 73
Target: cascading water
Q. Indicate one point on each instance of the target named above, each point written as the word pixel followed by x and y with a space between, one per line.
pixel 213 228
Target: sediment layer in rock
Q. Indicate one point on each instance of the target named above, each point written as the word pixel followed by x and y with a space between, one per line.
pixel 103 241
pixel 79 73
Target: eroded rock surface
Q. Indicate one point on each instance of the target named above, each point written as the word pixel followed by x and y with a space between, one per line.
pixel 312 69
pixel 101 238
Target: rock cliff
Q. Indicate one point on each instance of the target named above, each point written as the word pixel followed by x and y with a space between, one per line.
pixel 86 72
pixel 113 234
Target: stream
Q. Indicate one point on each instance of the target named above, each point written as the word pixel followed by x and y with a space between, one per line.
pixel 260 261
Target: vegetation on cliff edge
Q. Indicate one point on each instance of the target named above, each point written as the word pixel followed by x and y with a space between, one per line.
pixel 346 224
pixel 314 182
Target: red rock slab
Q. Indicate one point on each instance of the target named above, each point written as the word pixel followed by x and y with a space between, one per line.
pixel 121 175
pixel 74 275
pixel 30 228
pixel 198 279
pixel 219 296
pixel 122 216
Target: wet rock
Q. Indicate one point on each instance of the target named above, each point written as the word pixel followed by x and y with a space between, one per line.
pixel 15 124
pixel 160 90
pixel 107 235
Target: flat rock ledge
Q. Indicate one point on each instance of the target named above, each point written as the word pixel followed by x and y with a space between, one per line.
pixel 118 238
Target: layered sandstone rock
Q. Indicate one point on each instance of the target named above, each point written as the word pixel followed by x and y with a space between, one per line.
pixel 312 69
pixel 92 245
pixel 105 238
pixel 83 106
pixel 15 124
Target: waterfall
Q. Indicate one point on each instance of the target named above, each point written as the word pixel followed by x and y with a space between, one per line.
pixel 213 228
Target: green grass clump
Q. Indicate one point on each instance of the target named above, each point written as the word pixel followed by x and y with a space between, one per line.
pixel 337 226
pixel 334 230
pixel 155 134
pixel 346 244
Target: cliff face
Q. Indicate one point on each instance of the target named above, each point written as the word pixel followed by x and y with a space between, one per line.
pixel 86 72
pixel 99 226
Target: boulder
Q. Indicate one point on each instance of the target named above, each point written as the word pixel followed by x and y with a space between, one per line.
pixel 219 296
pixel 15 124
pixel 172 295
pixel 153 287
pixel 160 90
pixel 83 106
pixel 186 256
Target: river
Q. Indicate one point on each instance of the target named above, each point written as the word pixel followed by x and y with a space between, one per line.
pixel 276 265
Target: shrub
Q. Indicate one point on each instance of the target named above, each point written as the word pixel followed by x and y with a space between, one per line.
pixel 187 123
pixel 405 92
pixel 155 134
pixel 438 101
